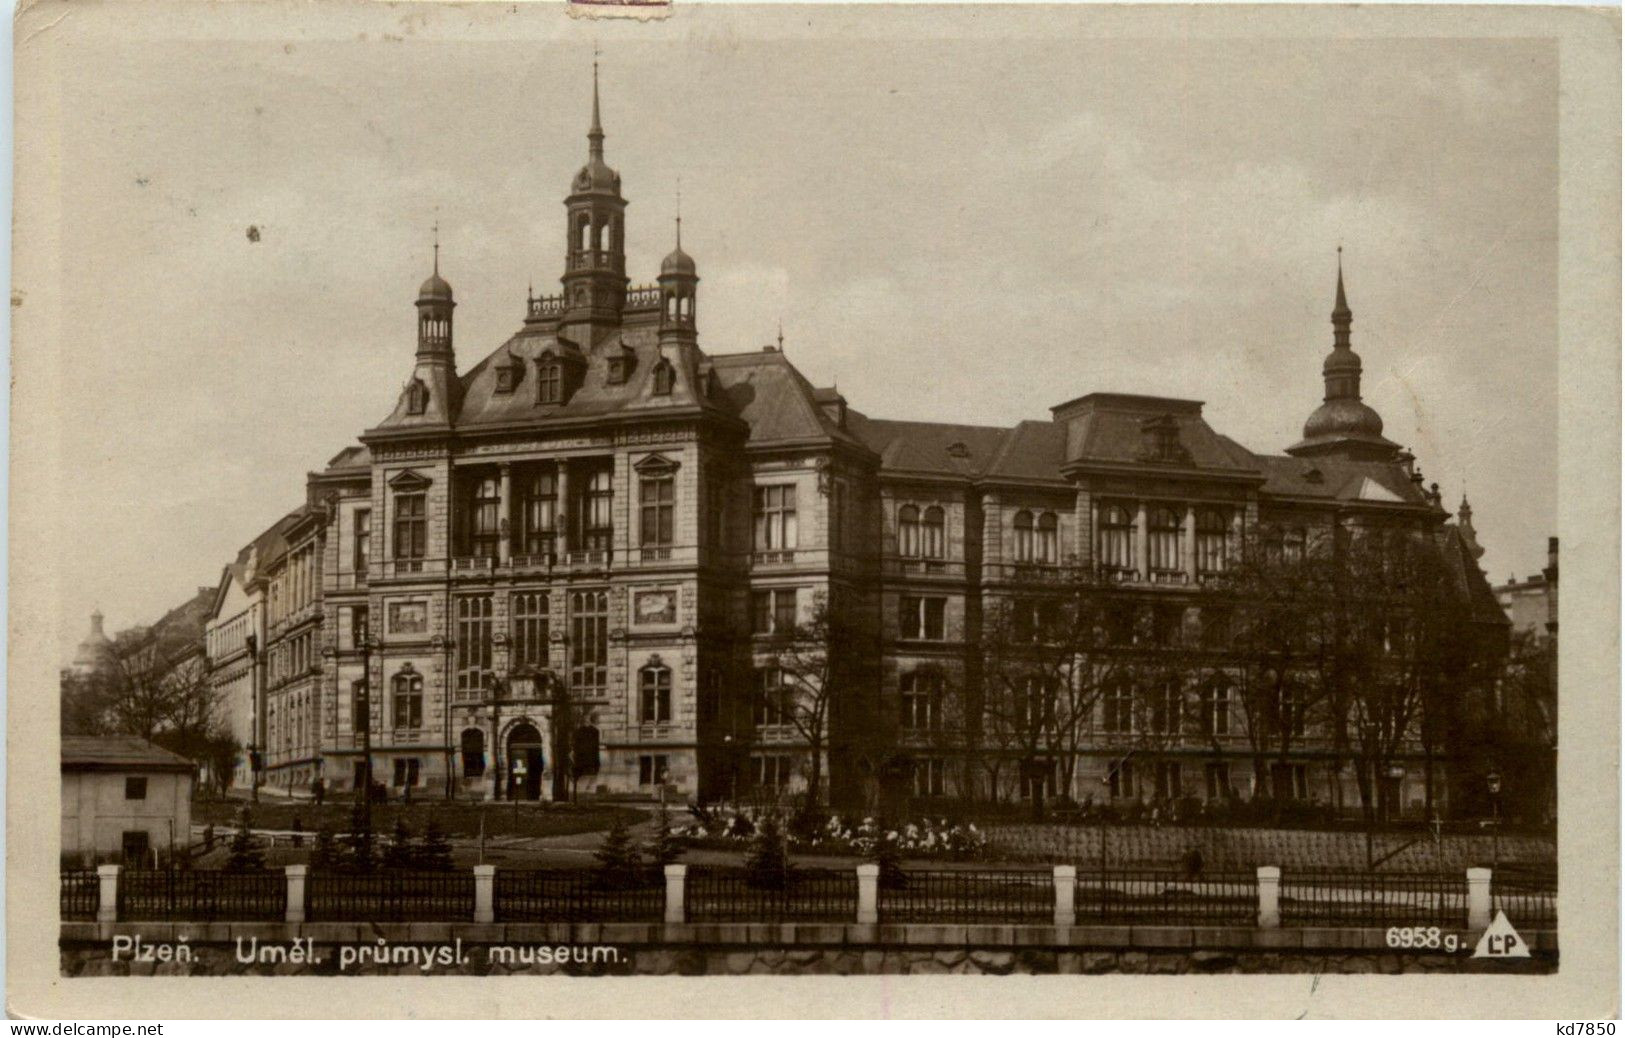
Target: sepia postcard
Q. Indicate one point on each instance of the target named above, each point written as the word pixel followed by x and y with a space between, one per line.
pixel 574 513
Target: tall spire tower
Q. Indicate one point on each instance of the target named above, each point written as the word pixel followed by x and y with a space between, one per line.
pixel 595 228
pixel 1343 424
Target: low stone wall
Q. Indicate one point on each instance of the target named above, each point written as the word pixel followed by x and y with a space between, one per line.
pixel 1248 848
pixel 213 949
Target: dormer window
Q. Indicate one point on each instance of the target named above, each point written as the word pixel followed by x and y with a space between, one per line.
pixel 549 381
pixel 957 449
pixel 621 364
pixel 417 397
pixel 665 376
pixel 1159 439
pixel 509 374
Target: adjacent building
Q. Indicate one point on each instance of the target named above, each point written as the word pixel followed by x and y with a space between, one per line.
pixel 124 798
pixel 601 526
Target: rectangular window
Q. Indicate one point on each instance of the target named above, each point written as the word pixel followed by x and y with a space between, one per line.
pixel 771 770
pixel 922 619
pixel 1170 780
pixel 473 642
pixel 837 516
pixel 652 769
pixel 589 642
pixel 1119 709
pixel 773 611
pixel 539 515
pixel 529 613
pixel 137 847
pixel 654 695
pixel 921 697
pixel 1289 781
pixel 1115 540
pixel 596 509
pixel 411 526
pixel 774 515
pixel 930 777
pixel 135 787
pixel 1218 780
pixel 1121 779
pixel 771 707
pixel 1162 541
pixel 1167 709
pixel 406 771
pixel 483 522
pixel 655 509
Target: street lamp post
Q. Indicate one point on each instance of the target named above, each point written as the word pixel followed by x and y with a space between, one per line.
pixel 1493 780
pixel 364 708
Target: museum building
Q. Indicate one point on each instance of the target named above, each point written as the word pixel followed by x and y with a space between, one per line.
pixel 562 570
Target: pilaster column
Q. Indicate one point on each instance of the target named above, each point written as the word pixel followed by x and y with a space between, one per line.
pixel 1066 888
pixel 107 882
pixel 295 910
pixel 485 893
pixel 505 514
pixel 1269 897
pixel 1142 543
pixel 869 893
pixel 1188 544
pixel 562 517
pixel 676 879
pixel 1478 899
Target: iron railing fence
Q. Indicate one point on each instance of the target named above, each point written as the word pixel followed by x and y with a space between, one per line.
pixel 967 896
pixel 202 894
pixel 1167 897
pixel 389 895
pixel 1346 898
pixel 726 894
pixel 81 893
pixel 1528 902
pixel 578 896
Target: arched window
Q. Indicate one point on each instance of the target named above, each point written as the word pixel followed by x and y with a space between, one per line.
pixel 583 229
pixel 1216 707
pixel 1211 542
pixel 665 376
pixel 549 382
pixel 1292 544
pixel 1024 536
pixel 1118 715
pixel 408 700
pixel 908 531
pixel 417 397
pixel 1163 541
pixel 654 694
pixel 473 747
pixel 933 533
pixel 1049 546
pixel 1116 547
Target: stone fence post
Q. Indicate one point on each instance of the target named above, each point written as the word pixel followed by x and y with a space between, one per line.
pixel 1269 897
pixel 1478 899
pixel 676 880
pixel 869 893
pixel 295 910
pixel 1066 888
pixel 107 906
pixel 485 878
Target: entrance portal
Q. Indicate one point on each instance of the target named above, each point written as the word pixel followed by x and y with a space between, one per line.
pixel 525 762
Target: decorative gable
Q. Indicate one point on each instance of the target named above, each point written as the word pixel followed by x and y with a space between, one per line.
pixel 655 465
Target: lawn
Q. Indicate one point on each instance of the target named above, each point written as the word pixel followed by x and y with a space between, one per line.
pixel 458 819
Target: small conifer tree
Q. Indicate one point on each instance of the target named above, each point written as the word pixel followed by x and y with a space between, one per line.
pixel 400 854
pixel 618 858
pixel 244 856
pixel 434 852
pixel 663 848
pixel 767 863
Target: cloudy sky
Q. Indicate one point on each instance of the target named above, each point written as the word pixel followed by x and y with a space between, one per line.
pixel 967 226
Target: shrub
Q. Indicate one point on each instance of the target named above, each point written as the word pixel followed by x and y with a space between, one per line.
pixel 767 863
pixel 618 858
pixel 434 852
pixel 324 854
pixel 244 856
pixel 400 854
pixel 663 849
pixel 360 852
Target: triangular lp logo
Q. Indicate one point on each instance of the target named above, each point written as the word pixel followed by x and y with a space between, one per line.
pixel 1501 941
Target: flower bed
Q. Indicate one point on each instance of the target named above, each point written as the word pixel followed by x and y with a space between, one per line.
pixel 733 827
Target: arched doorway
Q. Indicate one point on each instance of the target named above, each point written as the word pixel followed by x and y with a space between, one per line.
pixel 525 762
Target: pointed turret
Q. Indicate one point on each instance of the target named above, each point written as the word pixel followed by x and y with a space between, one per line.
pixel 1343 423
pixel 1464 519
pixel 679 283
pixel 595 248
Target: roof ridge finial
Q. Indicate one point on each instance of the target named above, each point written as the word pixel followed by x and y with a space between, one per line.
pixel 679 212
pixel 437 247
pixel 781 335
